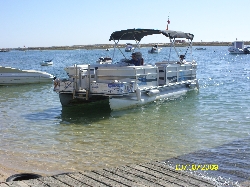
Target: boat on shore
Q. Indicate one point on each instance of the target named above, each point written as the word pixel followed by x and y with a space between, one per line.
pixel 47 62
pixel 125 85
pixel 13 76
pixel 238 47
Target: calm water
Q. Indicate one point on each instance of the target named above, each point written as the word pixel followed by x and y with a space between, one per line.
pixel 38 135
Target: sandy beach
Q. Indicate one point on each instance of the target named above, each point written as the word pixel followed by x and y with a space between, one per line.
pixel 5 172
pixel 10 165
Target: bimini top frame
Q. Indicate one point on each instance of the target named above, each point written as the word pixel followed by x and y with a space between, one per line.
pixel 138 34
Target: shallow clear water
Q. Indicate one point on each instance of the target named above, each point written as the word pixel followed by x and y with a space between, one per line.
pixel 38 135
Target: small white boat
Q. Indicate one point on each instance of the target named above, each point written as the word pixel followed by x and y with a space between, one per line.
pixel 46 63
pixel 200 48
pixel 129 47
pixel 238 47
pixel 104 60
pixel 154 49
pixel 4 50
pixel 125 85
pixel 9 76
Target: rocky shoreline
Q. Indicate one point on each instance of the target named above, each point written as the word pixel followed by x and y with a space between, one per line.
pixel 108 46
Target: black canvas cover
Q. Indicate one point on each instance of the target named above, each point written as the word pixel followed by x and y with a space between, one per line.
pixel 138 34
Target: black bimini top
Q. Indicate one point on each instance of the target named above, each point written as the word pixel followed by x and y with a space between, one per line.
pixel 138 34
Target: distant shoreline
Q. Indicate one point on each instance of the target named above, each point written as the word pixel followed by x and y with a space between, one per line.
pixel 108 46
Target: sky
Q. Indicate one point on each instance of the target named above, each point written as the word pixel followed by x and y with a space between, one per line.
pixel 46 23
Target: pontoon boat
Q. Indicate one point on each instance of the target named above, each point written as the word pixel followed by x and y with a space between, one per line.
pixel 125 85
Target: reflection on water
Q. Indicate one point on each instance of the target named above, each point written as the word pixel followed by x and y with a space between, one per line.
pixel 85 114
pixel 43 115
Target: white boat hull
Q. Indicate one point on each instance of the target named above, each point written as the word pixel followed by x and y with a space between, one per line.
pixel 128 86
pixel 140 97
pixel 128 102
pixel 238 47
pixel 10 76
pixel 46 63
pixel 233 50
pixel 154 51
pixel 129 49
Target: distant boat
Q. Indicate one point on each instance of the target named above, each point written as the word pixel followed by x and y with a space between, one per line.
pixel 104 60
pixel 11 76
pixel 47 63
pixel 129 47
pixel 200 48
pixel 4 50
pixel 107 49
pixel 238 47
pixel 154 49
